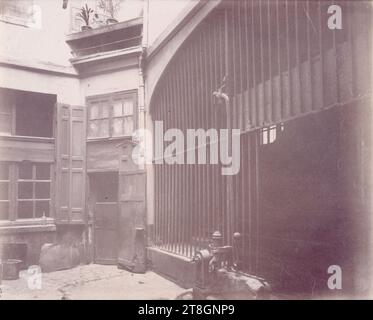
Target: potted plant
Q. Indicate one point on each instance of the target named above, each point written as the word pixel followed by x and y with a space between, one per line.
pixel 85 15
pixel 110 7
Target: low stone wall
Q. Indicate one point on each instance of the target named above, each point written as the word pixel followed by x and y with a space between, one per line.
pixel 26 243
pixel 14 240
pixel 175 268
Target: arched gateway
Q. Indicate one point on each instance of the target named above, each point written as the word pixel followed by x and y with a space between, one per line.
pixel 300 94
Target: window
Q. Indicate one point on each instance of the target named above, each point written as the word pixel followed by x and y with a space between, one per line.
pixel 122 123
pixel 29 184
pixel 25 113
pixel 6 115
pixel 4 191
pixel 20 12
pixel 33 190
pixel 111 116
pixel 99 119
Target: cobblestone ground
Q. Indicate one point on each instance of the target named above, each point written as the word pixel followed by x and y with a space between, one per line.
pixel 91 282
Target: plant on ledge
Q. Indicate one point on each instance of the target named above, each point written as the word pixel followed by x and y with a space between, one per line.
pixel 85 15
pixel 110 7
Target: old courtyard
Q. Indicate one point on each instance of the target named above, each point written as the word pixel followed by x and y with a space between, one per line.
pixel 91 282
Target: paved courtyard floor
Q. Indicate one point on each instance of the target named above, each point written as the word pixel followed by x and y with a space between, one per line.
pixel 90 282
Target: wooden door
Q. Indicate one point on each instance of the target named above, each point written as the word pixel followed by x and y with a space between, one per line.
pixel 104 201
pixel 105 232
pixel 132 186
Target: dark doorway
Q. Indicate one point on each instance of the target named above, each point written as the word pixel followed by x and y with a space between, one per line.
pixel 302 223
pixel 104 201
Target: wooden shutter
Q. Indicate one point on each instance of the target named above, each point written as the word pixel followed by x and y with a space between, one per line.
pixel 71 164
pixel 132 240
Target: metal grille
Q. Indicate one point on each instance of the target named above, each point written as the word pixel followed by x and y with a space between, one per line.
pixel 281 62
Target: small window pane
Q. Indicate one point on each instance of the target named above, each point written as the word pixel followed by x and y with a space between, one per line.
pixel 24 190
pixel 5 124
pixel 6 104
pixel 94 111
pixel 25 170
pixel 118 108
pixel 43 171
pixel 4 171
pixel 104 126
pixel 118 129
pixel 105 110
pixel 4 210
pixel 128 125
pixel 128 107
pixel 25 210
pixel 93 129
pixel 41 208
pixel 42 190
pixel 4 191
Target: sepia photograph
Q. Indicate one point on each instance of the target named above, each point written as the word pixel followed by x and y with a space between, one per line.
pixel 186 150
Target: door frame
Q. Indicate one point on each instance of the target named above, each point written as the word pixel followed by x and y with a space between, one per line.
pixel 91 223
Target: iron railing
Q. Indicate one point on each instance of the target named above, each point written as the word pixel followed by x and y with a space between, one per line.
pixel 281 62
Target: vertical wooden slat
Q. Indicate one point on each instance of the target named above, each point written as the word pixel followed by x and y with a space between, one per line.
pixel 241 70
pixel 184 192
pixel 212 114
pixel 253 64
pixel 279 46
pixel 257 200
pixel 185 180
pixel 168 171
pixel 164 177
pixel 156 178
pixel 174 167
pixel 234 65
pixel 226 215
pixel 248 105
pixel 260 91
pixel 207 61
pixel 270 81
pixel 296 79
pixel 212 124
pixel 191 106
pixel 322 95
pixel 232 61
pixel 335 61
pixel 162 186
pixel 249 200
pixel 309 58
pixel 199 112
pixel 288 90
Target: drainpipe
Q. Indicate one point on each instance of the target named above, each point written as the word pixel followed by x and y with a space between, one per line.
pixel 224 100
pixel 147 124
